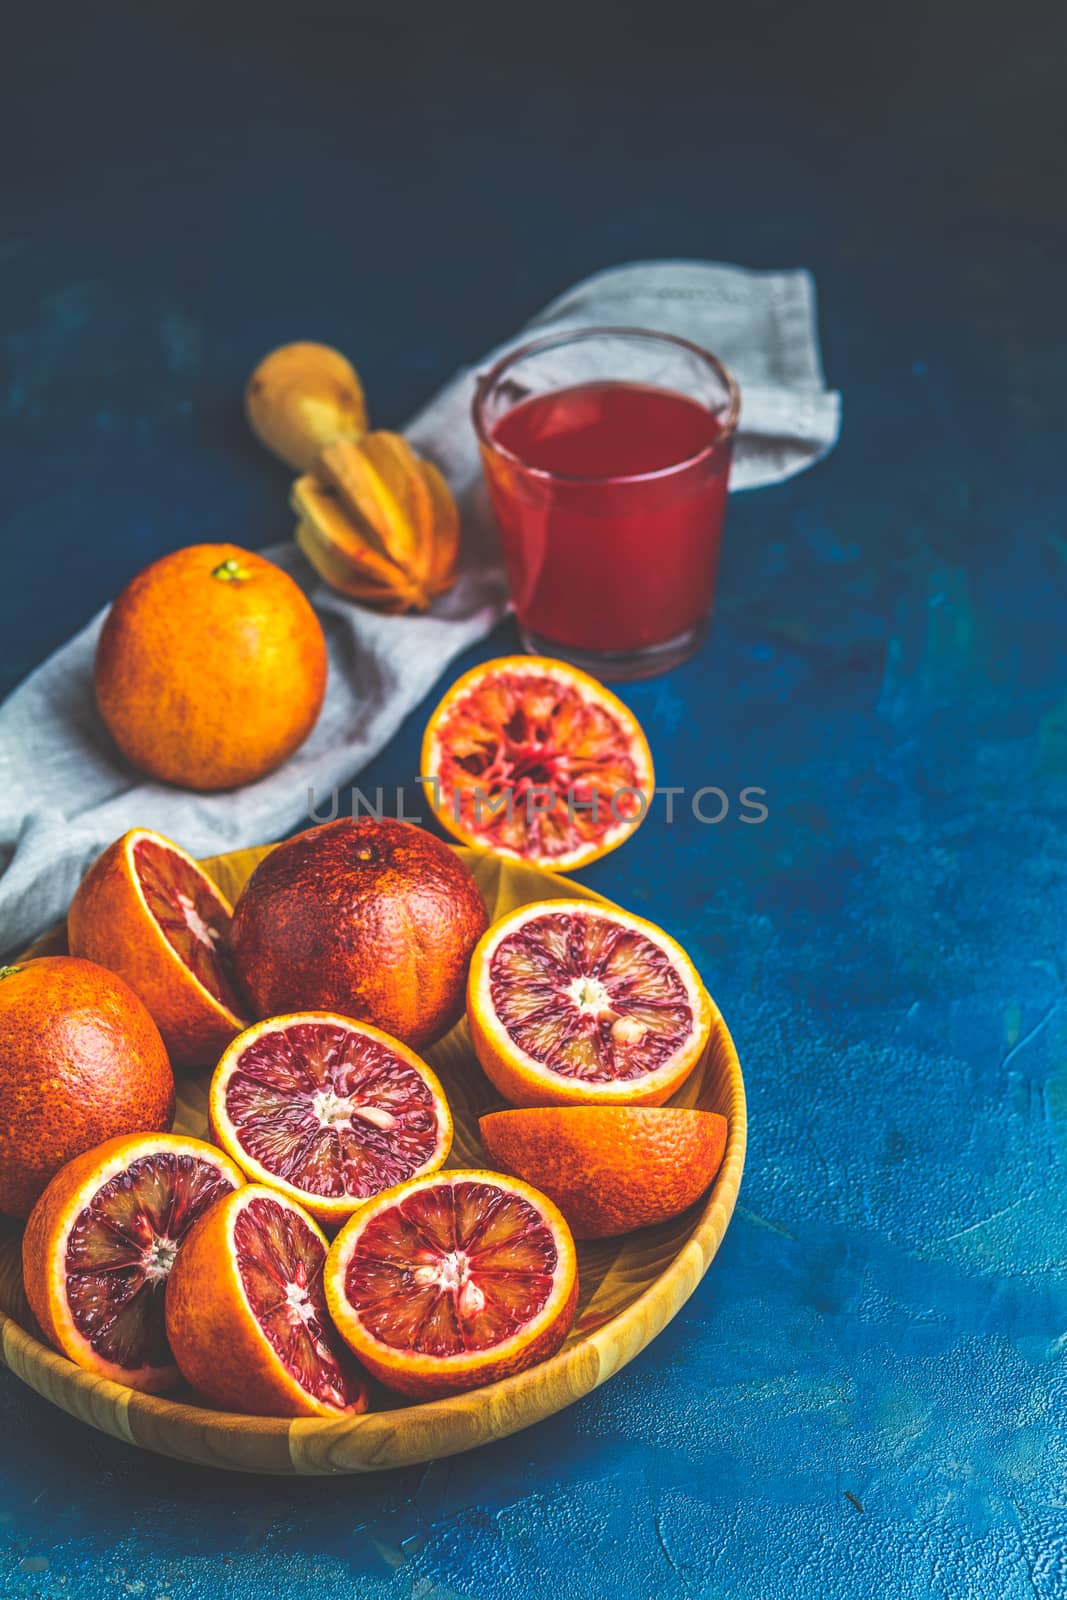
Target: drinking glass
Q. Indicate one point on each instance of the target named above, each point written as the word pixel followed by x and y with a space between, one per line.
pixel 606 453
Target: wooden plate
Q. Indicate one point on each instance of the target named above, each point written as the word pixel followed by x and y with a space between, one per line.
pixel 630 1287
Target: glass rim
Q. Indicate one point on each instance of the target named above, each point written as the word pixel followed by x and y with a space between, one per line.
pixel 572 335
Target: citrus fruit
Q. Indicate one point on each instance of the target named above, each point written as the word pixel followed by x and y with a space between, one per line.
pixel 146 911
pixel 610 1168
pixel 573 1003
pixel 211 667
pixel 373 918
pixel 452 1281
pixel 80 1061
pixel 327 1110
pixel 531 758
pixel 100 1245
pixel 246 1313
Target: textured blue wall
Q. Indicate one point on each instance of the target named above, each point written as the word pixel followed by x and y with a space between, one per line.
pixel 885 1326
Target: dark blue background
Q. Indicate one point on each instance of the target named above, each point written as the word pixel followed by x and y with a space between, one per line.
pixel 190 184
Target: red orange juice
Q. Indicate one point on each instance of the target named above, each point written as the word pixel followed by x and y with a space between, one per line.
pixel 610 495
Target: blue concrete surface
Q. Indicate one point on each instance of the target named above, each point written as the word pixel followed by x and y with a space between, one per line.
pixel 865 1397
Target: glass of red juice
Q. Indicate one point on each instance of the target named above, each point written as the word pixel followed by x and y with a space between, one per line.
pixel 606 454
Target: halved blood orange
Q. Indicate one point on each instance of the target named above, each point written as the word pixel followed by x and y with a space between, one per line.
pixel 328 1111
pixel 453 1281
pixel 147 911
pixel 531 758
pixel 574 1003
pixel 100 1244
pixel 610 1168
pixel 246 1312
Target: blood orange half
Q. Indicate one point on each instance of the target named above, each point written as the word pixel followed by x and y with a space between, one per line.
pixel 147 911
pixel 246 1312
pixel 328 1111
pixel 610 1168
pixel 572 1003
pixel 453 1281
pixel 531 758
pixel 100 1244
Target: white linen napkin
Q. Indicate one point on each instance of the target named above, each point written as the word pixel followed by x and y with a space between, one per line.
pixel 65 793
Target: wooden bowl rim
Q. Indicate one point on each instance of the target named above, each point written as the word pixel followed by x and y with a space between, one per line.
pixel 515 1402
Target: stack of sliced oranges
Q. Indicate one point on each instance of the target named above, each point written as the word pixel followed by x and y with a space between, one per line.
pixel 155 1257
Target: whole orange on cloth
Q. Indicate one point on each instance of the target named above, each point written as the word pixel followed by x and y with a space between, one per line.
pixel 80 1061
pixel 211 668
pixel 372 918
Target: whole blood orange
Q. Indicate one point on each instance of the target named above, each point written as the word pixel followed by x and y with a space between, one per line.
pixel 610 1168
pixel 373 918
pixel 100 1245
pixel 211 667
pixel 328 1110
pixel 534 759
pixel 574 1003
pixel 246 1313
pixel 80 1061
pixel 453 1281
pixel 146 911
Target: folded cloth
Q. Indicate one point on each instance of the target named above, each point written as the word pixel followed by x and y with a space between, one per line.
pixel 65 793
